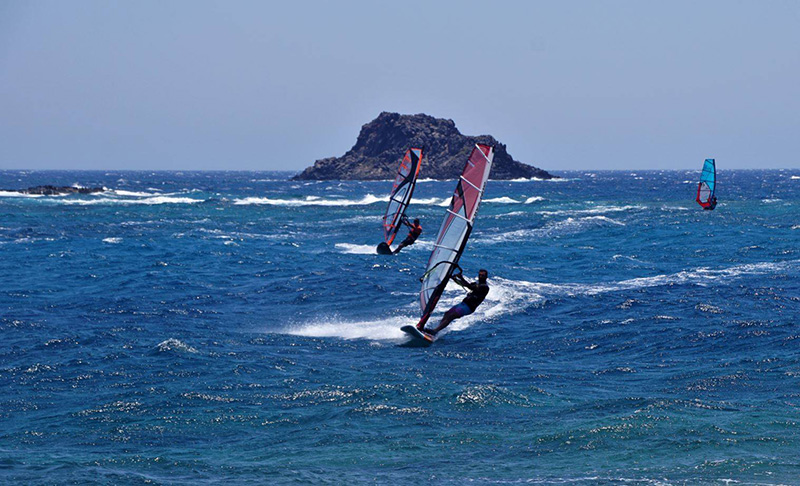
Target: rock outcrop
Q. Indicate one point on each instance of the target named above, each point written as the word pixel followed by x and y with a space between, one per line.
pixel 383 141
pixel 57 190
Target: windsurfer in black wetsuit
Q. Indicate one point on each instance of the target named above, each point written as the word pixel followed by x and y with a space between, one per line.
pixel 414 231
pixel 478 291
pixel 712 203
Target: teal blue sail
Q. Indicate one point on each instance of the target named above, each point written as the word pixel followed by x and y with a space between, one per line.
pixel 708 185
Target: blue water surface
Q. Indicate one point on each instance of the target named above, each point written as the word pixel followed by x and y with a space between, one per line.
pixel 239 328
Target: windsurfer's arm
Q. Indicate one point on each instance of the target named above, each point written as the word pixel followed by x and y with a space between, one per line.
pixel 460 280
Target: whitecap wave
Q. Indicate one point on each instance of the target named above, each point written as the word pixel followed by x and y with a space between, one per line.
pixel 120 192
pixel 432 201
pixel 18 194
pixel 112 240
pixel 699 276
pixel 567 226
pixel 509 214
pixel 174 345
pixel 146 201
pixel 534 199
pixel 503 200
pixel 537 179
pixel 312 201
pixel 794 177
pixel 594 210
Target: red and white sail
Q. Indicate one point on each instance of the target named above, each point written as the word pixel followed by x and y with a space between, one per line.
pixel 455 229
pixel 401 194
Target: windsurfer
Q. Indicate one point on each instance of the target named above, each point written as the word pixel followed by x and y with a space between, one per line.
pixel 414 231
pixel 478 291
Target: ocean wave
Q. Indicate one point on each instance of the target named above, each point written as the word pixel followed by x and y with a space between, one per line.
pixel 431 201
pixel 503 200
pixel 492 395
pixel 174 345
pixel 535 179
pixel 319 201
pixel 595 210
pixel 145 201
pixel 504 298
pixel 567 226
pixel 794 177
pixel 18 194
pixel 311 201
pixel 508 296
pixel 112 240
pixel 699 276
pixel 534 199
pixel 372 218
pixel 509 214
pixel 120 192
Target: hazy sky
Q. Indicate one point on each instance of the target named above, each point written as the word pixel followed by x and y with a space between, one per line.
pixel 276 85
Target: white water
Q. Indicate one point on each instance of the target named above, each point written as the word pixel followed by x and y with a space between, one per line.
pixel 507 297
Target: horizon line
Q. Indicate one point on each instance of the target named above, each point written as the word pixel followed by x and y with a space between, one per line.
pixel 296 171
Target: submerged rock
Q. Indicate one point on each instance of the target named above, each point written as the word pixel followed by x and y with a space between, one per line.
pixel 383 141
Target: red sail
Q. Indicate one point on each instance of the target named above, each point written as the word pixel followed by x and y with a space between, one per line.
pixel 456 228
pixel 401 193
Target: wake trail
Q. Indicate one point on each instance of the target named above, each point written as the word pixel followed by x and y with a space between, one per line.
pixel 508 297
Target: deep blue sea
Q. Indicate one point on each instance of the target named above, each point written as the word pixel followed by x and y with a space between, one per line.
pixel 238 328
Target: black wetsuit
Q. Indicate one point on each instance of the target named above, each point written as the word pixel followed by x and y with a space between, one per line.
pixel 478 292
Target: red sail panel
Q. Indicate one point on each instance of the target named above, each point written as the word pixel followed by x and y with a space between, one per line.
pixel 703 194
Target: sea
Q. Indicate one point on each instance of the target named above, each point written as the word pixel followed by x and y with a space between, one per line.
pixel 239 328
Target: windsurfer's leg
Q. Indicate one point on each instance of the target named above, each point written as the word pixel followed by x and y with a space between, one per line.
pixel 447 318
pixel 403 244
pixel 459 310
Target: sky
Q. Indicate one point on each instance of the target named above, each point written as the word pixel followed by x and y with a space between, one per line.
pixel 239 85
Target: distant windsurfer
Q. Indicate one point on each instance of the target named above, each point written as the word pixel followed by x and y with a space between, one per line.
pixel 413 233
pixel 478 291
pixel 712 203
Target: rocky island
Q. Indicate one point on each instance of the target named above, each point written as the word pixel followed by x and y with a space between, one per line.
pixel 57 190
pixel 383 141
